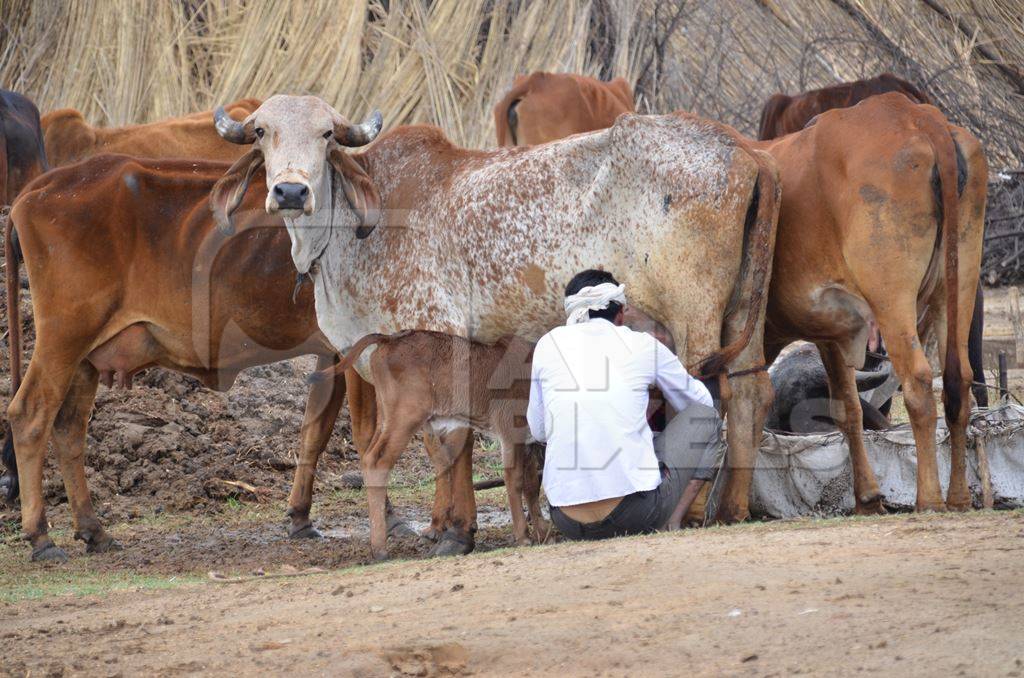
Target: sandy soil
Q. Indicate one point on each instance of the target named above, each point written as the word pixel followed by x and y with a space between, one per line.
pixel 915 595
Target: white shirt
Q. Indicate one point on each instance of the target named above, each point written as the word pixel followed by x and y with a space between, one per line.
pixel 588 401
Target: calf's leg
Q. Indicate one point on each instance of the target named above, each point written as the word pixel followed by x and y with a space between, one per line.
pixel 458 537
pixel 388 443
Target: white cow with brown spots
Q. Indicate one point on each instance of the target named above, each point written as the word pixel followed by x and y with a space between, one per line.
pixel 481 244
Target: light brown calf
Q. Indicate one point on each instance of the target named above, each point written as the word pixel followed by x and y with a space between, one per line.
pixel 442 383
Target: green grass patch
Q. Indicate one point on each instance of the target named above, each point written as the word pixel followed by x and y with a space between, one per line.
pixel 20 580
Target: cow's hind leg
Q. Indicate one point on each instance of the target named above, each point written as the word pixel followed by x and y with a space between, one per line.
pixel 514 462
pixel 531 492
pixel 322 407
pixel 31 415
pixel 915 375
pixel 69 435
pixel 957 405
pixel 846 410
pixel 746 399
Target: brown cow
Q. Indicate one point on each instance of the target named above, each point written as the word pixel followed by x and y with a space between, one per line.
pixel 784 114
pixel 69 138
pixel 882 219
pixel 22 157
pixel 542 107
pixel 446 384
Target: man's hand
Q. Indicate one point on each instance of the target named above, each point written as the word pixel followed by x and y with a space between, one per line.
pixel 690 492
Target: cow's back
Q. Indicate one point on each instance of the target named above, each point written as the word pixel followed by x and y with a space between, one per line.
pixel 784 114
pixel 135 237
pixel 69 138
pixel 481 244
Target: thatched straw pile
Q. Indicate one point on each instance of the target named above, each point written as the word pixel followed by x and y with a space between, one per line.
pixel 447 61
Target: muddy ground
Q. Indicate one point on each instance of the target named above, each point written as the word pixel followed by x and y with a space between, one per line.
pixel 907 595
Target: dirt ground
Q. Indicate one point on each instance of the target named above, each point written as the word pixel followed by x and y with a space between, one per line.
pixel 914 595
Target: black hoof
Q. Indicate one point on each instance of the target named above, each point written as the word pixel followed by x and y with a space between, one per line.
pixel 452 544
pixel 430 534
pixel 105 545
pixel 305 532
pixel 399 528
pixel 49 553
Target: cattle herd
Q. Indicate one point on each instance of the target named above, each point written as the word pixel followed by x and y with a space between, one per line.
pixel 419 273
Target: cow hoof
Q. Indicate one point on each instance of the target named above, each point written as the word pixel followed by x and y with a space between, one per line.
pixel 931 507
pixel 398 528
pixel 379 557
pixel 958 506
pixel 524 541
pixel 727 516
pixel 451 544
pixel 431 534
pixel 104 545
pixel 49 553
pixel 305 532
pixel 870 508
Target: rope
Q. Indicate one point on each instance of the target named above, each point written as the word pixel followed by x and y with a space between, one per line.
pixel 752 370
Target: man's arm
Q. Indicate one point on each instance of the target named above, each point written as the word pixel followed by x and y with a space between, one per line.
pixel 679 387
pixel 535 410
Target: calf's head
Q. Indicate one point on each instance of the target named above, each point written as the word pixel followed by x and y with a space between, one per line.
pixel 299 141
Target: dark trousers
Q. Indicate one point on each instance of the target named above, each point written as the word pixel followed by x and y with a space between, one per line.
pixel 689 449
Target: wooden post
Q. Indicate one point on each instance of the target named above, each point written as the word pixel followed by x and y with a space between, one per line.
pixel 1017 321
pixel 1003 375
pixel 984 474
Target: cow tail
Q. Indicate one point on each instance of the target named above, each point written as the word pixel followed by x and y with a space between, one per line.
pixel 504 111
pixel 4 198
pixel 350 358
pixel 14 340
pixel 946 164
pixel 756 263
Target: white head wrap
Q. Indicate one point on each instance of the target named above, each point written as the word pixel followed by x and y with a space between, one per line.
pixel 596 298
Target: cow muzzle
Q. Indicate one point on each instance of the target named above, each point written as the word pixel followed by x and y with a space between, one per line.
pixel 288 195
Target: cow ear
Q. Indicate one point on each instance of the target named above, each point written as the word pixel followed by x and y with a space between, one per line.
pixel 228 192
pixel 359 190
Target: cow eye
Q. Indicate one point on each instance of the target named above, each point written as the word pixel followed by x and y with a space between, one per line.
pixel 259 132
pixel 328 133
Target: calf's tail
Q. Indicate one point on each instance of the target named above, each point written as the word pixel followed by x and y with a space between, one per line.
pixel 350 358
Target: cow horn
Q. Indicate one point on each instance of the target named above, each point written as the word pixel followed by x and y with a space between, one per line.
pixel 232 130
pixel 358 135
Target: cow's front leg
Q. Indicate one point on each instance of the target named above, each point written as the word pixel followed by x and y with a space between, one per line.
pixel 322 407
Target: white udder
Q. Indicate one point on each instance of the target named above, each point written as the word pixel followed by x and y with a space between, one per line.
pixel 444 425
